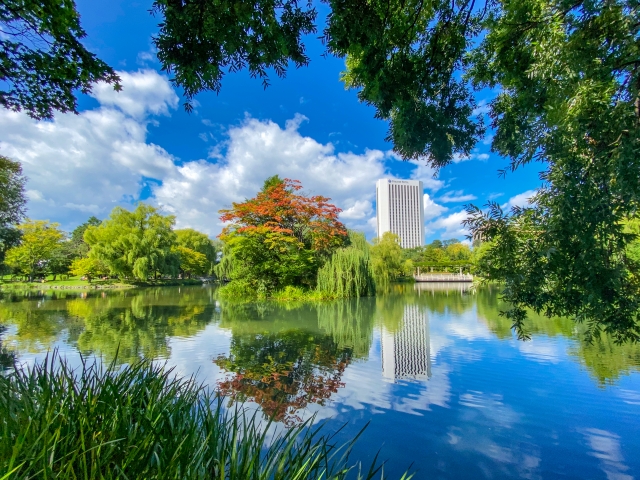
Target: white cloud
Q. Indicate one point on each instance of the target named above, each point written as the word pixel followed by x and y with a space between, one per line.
pixel 143 92
pixel 359 210
pixel 257 149
pixel 425 173
pixel 431 208
pixel 450 225
pixel 88 163
pixel 482 108
pixel 520 200
pixel 457 196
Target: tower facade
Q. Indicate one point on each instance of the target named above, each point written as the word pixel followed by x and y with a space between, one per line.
pixel 400 210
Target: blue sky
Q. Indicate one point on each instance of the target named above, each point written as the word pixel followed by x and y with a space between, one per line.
pixel 141 144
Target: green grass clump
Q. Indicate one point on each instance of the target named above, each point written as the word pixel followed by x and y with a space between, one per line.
pixel 140 421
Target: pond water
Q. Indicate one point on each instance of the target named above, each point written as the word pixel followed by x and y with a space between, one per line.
pixel 433 369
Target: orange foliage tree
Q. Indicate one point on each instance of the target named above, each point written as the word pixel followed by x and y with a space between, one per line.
pixel 280 237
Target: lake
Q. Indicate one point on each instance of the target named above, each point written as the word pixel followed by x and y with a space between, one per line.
pixel 432 369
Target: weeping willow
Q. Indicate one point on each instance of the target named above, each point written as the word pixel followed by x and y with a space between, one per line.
pixel 348 272
pixel 350 323
pixel 224 269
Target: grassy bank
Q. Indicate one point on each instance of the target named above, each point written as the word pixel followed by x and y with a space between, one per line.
pixel 142 422
pixel 74 283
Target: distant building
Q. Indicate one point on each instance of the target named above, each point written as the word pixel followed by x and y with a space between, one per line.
pixel 400 210
pixel 406 351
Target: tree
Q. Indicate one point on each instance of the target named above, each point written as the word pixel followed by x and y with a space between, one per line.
pixel 386 257
pixel 88 268
pixel 40 242
pixel 12 204
pixel 279 237
pixel 349 272
pixel 12 199
pixel 569 79
pixel 200 243
pixel 134 244
pixel 43 63
pixel 191 262
pixel 79 247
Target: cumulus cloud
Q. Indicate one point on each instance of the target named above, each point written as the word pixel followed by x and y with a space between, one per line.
pixel 457 196
pixel 431 208
pixel 449 226
pixel 257 149
pixel 86 164
pixel 143 92
pixel 520 200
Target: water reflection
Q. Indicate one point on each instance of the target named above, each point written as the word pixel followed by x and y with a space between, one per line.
pixel 434 368
pixel 138 323
pixel 122 325
pixel 406 351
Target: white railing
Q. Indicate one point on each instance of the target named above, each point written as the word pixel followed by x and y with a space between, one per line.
pixel 443 277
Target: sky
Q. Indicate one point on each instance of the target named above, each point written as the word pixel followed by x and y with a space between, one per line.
pixel 140 143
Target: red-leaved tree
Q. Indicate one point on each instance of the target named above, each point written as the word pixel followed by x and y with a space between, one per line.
pixel 278 208
pixel 278 238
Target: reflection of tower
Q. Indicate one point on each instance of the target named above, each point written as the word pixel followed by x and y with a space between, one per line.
pixel 406 352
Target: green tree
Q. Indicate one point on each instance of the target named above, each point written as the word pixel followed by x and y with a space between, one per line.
pixel 79 247
pixel 40 242
pixel 200 243
pixel 135 244
pixel 191 262
pixel 349 271
pixel 12 204
pixel 88 268
pixel 386 258
pixel 43 61
pixel 278 238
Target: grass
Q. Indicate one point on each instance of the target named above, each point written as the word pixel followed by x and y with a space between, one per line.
pixel 76 283
pixel 140 421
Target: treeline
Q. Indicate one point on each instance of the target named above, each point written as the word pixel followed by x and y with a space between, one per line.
pixel 133 245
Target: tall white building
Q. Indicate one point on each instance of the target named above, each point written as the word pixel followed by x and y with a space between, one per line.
pixel 400 210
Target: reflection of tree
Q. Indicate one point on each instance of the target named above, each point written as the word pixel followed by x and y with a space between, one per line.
pixel 283 372
pixel 7 356
pixel 350 323
pixel 605 360
pixel 39 320
pixel 132 323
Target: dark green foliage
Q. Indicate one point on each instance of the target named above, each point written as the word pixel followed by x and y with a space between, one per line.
pixel 199 39
pixel 405 58
pixel 140 421
pixel 78 245
pixel 42 62
pixel 12 199
pixel 569 79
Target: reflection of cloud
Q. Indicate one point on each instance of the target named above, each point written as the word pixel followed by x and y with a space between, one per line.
pixel 630 397
pixel 541 349
pixel 467 326
pixel 606 447
pixel 483 420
